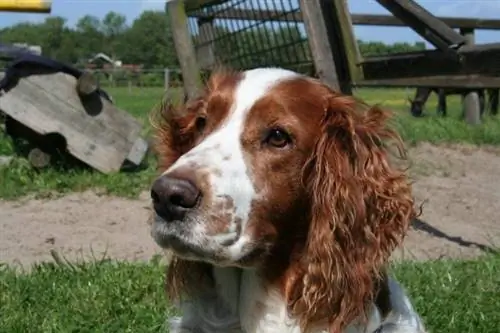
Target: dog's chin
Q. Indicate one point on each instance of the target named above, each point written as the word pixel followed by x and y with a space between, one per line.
pixel 179 240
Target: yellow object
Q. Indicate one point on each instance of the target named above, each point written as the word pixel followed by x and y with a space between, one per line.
pixel 27 6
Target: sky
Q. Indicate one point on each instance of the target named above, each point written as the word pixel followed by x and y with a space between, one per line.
pixel 72 10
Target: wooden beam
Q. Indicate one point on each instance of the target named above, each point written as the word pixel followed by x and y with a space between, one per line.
pixel 452 22
pixel 357 19
pixel 329 55
pixel 439 81
pixel 471 59
pixel 184 48
pixel 348 39
pixel 26 6
pixel 424 23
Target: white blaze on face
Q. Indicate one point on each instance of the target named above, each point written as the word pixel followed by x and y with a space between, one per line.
pixel 221 152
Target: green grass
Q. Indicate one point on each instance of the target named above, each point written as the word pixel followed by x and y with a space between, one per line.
pixel 451 296
pixel 20 179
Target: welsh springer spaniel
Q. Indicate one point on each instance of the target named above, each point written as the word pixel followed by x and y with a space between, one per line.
pixel 281 208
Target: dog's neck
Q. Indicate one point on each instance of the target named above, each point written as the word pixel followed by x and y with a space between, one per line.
pixel 240 302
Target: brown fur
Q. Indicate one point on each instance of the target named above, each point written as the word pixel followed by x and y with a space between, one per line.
pixel 354 207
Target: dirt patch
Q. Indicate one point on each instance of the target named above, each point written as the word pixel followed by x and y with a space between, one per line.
pixel 459 186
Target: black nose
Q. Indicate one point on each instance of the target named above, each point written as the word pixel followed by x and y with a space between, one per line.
pixel 173 197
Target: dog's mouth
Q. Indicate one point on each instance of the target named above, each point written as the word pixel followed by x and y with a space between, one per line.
pixel 218 250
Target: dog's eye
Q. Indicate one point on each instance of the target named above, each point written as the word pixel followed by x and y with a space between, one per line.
pixel 200 123
pixel 278 138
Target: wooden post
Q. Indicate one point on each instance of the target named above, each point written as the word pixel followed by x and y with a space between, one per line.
pixel 184 48
pixel 323 27
pixel 86 84
pixel 205 52
pixel 352 52
pixel 31 6
pixel 470 101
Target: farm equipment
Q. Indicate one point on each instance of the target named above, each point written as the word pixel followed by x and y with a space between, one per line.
pixel 58 109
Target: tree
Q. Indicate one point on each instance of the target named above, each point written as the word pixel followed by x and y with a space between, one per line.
pixel 89 35
pixel 149 41
pixel 113 27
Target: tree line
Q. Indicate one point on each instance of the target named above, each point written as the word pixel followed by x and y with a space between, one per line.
pixel 147 41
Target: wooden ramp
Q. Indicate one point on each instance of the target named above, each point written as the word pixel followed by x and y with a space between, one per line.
pixel 44 104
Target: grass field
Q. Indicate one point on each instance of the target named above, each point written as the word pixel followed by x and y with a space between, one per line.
pixel 452 296
pixel 20 179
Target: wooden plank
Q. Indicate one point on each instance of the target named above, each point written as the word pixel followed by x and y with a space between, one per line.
pixel 96 132
pixel 439 81
pixel 348 40
pixel 452 22
pixel 357 19
pixel 470 59
pixel 138 151
pixel 184 48
pixel 326 46
pixel 424 23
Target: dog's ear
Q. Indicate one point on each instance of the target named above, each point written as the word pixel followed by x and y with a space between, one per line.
pixel 361 210
pixel 173 123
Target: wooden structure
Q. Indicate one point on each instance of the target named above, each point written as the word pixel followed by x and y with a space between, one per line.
pixel 204 31
pixel 58 113
pixel 28 6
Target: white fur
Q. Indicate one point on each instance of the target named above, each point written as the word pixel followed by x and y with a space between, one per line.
pixel 241 304
pixel 222 151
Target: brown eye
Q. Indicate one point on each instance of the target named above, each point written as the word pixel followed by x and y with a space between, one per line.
pixel 200 123
pixel 278 138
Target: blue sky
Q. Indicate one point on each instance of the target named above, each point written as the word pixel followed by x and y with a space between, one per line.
pixel 74 9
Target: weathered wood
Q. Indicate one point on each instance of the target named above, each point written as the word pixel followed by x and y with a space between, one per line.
pixel 31 6
pixel 184 48
pixel 326 47
pixel 138 151
pixel 205 53
pixel 38 158
pixel 95 130
pixel 86 84
pixel 439 81
pixel 470 59
pixel 472 108
pixel 424 23
pixel 452 22
pixel 348 39
pixel 357 19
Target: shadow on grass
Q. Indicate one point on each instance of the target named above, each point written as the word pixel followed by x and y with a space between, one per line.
pixel 426 227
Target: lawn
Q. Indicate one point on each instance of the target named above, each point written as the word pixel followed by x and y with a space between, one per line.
pixel 452 296
pixel 20 179
pixel 108 296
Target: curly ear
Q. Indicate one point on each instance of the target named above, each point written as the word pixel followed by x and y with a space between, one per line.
pixel 361 209
pixel 172 126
